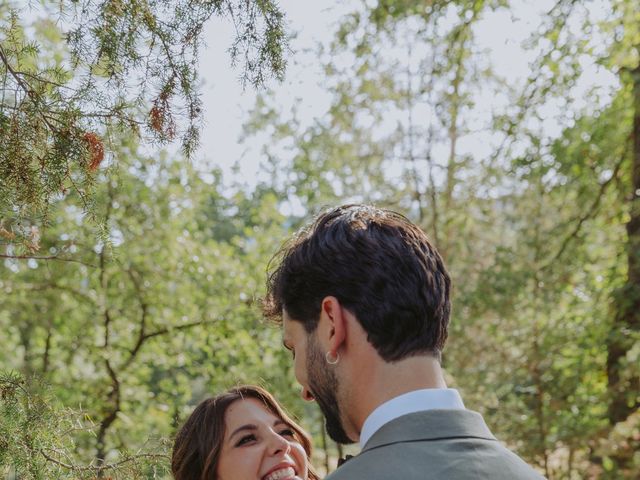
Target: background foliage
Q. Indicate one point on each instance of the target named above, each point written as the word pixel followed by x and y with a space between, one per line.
pixel 114 324
pixel 76 75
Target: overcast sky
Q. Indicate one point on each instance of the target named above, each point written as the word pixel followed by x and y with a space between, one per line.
pixel 227 105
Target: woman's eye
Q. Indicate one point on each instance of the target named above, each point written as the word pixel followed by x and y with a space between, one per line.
pixel 287 432
pixel 246 439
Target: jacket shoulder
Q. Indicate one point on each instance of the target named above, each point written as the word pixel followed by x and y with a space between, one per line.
pixel 462 459
pixel 435 445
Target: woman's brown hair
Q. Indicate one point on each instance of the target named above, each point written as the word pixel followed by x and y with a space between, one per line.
pixel 197 447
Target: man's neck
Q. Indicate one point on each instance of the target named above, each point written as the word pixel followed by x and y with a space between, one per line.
pixel 379 381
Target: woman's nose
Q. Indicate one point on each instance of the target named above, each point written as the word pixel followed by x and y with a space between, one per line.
pixel 277 444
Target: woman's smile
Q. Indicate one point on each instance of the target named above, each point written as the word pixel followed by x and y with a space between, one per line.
pixel 284 471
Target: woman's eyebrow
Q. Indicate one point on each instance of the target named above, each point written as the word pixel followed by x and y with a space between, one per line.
pixel 249 427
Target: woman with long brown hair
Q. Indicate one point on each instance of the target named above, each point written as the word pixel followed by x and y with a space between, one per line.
pixel 241 434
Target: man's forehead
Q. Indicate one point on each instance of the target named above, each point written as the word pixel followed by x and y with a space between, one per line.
pixel 286 321
pixel 290 327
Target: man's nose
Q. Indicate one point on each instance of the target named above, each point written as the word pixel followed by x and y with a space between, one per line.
pixel 307 395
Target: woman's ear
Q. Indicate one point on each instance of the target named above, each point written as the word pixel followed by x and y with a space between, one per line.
pixel 332 325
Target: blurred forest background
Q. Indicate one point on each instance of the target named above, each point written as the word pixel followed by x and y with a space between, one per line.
pixel 130 282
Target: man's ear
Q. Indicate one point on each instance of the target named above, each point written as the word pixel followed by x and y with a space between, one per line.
pixel 333 324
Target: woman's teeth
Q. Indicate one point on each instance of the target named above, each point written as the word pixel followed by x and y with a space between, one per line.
pixel 280 474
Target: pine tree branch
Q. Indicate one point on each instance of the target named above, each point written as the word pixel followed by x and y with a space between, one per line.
pixel 40 79
pixel 20 81
pixel 31 93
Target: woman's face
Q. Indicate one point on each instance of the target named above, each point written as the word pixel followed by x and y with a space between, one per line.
pixel 257 445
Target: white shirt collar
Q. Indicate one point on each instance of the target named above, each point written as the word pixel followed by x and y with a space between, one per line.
pixel 416 401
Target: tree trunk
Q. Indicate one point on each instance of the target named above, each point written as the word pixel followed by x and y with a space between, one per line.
pixel 624 391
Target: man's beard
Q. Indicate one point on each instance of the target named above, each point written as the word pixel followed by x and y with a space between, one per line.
pixel 323 385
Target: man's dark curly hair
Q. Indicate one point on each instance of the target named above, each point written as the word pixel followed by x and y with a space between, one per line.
pixel 380 267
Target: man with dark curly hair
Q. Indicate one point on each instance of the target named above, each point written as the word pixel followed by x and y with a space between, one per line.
pixel 363 300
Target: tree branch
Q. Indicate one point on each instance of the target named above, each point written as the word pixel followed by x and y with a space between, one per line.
pixel 144 307
pixel 184 326
pixel 55 286
pixel 51 257
pixel 105 466
pixel 588 214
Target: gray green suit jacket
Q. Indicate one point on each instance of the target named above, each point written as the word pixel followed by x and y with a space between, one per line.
pixel 435 444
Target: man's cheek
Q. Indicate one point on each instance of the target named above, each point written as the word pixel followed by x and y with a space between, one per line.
pixel 301 374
